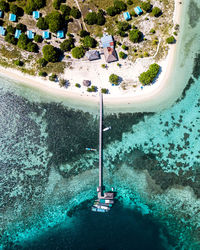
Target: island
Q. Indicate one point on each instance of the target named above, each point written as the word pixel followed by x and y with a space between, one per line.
pixel 82 47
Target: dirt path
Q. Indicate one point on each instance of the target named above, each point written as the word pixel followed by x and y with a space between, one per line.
pixel 76 1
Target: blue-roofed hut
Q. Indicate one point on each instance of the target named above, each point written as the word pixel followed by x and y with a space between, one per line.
pixel 138 10
pixel 30 34
pixel 107 41
pixel 1 13
pixel 46 34
pixel 60 34
pixel 2 31
pixel 17 33
pixel 36 14
pixel 127 16
pixel 12 17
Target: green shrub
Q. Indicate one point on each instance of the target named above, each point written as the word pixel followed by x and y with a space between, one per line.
pixel 152 31
pixel 170 39
pixel 146 6
pixel 114 79
pixel 78 52
pixel 18 63
pixel 135 36
pixel 62 82
pixel 104 91
pixel 156 11
pixel 120 5
pixel 10 29
pixel 147 77
pixel 75 13
pixel 112 11
pixel 21 26
pixel 50 53
pixel 42 73
pixel 22 41
pixel 10 39
pixel 77 85
pixel 4 6
pixel 124 47
pixel 55 21
pixel 38 38
pixel 91 18
pixel 42 62
pixel 56 4
pixel 14 9
pixel 65 9
pixel 32 47
pixel 67 44
pixel 123 26
pixel 89 42
pixel 53 77
pixel 84 33
pixel 122 55
pixel 92 89
pixel 42 24
pixel 129 2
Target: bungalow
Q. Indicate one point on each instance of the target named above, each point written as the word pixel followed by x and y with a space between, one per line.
pixel 92 55
pixel 46 34
pixel 127 16
pixel 1 13
pixel 107 41
pixel 36 14
pixel 60 34
pixel 2 31
pixel 138 10
pixel 30 34
pixel 110 55
pixel 12 17
pixel 17 33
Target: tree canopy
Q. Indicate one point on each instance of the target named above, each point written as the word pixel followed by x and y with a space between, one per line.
pixel 22 41
pixel 156 11
pixel 146 6
pixel 170 40
pixel 148 76
pixel 114 79
pixel 32 5
pixel 75 13
pixel 135 36
pixel 55 21
pixel 50 53
pixel 89 42
pixel 42 24
pixel 78 52
pixel 67 45
pixel 4 6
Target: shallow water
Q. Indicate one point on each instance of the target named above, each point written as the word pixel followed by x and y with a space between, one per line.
pixel 48 180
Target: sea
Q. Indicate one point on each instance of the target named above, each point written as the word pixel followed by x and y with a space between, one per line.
pixel 151 157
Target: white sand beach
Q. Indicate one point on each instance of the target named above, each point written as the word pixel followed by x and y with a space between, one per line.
pixel 81 70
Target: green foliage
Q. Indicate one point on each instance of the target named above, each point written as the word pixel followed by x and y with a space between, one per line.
pixel 92 89
pixel 146 54
pixel 22 41
pixel 42 62
pixel 62 82
pixel 67 44
pixel 14 9
pixel 114 79
pixel 175 33
pixel 112 11
pixel 10 39
pixel 42 24
pixel 65 9
pixel 38 38
pixel 104 91
pixel 10 29
pixel 89 42
pixel 152 31
pixel 129 2
pixel 156 11
pixel 53 77
pixel 135 36
pixel 55 21
pixel 56 4
pixel 100 19
pixel 78 52
pixel 50 53
pixel 122 55
pixel 146 6
pixel 124 47
pixel 18 63
pixel 21 26
pixel 103 66
pixel 84 33
pixel 4 6
pixel 170 40
pixel 95 18
pixel 122 33
pixel 32 47
pixel 42 73
pixel 32 5
pixel 120 5
pixel 77 85
pixel 123 26
pixel 75 13
pixel 147 77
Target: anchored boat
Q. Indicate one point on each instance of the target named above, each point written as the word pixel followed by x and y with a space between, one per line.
pixel 106 129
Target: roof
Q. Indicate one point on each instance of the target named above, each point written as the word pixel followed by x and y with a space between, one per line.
pixel 138 10
pixel 107 41
pixel 60 34
pixel 127 15
pixel 86 83
pixel 46 34
pixel 12 17
pixel 2 31
pixel 36 14
pixel 92 55
pixel 17 33
pixel 1 13
pixel 30 34
pixel 110 55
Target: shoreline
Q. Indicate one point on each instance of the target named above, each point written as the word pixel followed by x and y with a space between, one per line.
pixel 134 97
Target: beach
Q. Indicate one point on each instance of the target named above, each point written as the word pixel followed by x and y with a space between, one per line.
pixel 99 77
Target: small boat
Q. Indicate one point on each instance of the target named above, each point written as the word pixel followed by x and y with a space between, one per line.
pixel 90 149
pixel 106 201
pixel 106 129
pixel 95 209
pixel 102 207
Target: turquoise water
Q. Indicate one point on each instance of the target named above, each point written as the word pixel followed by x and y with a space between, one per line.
pixel 48 181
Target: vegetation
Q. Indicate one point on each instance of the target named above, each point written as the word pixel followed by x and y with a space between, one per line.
pixel 122 55
pixel 65 9
pixel 123 26
pixel 74 12
pixel 118 7
pixel 77 85
pixel 18 63
pixel 170 40
pixel 53 77
pixel 32 5
pixel 38 38
pixel 92 89
pixel 22 41
pixel 89 42
pixel 62 82
pixel 10 39
pixel 129 2
pixel 78 52
pixel 67 45
pixel 135 36
pixel 42 24
pixel 104 91
pixel 10 29
pixel 114 79
pixel 42 73
pixel 152 31
pixel 95 18
pixel 50 53
pixel 54 21
pixel 124 47
pixel 21 27
pixel 4 6
pixel 156 11
pixel 84 33
pixel 147 77
pixel 42 62
pixel 146 6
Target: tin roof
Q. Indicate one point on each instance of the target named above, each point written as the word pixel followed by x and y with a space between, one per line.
pixel 36 14
pixel 2 31
pixel 30 34
pixel 107 41
pixel 12 17
pixel 127 15
pixel 60 34
pixel 17 33
pixel 46 34
pixel 138 10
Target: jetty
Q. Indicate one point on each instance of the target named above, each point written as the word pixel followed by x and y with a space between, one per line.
pixel 105 199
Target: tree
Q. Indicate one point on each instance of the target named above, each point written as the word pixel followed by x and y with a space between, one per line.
pixel 111 11
pixel 42 73
pixel 14 9
pixel 75 13
pixel 135 36
pixel 77 85
pixel 32 47
pixel 50 53
pixel 42 24
pixel 22 41
pixel 120 5
pixel 67 45
pixel 146 6
pixel 10 29
pixel 62 82
pixel 89 42
pixel 53 77
pixel 84 33
pixel 65 9
pixel 91 18
pixel 10 39
pixel 78 52
pixel 38 38
pixel 170 40
pixel 114 79
pixel 122 55
pixel 30 7
pixel 156 11
pixel 21 26
pixel 42 62
pixel 56 4
pixel 4 6
pixel 19 63
pixel 124 26
pixel 129 2
pixel 100 19
pixel 55 21
pixel 104 91
pixel 148 76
